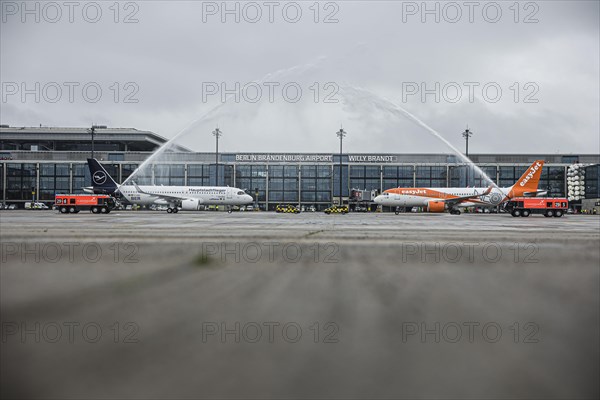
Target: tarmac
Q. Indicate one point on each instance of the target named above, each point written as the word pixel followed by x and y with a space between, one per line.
pixel 265 305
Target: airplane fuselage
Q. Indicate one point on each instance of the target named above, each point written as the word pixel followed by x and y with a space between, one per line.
pixel 420 197
pixel 206 195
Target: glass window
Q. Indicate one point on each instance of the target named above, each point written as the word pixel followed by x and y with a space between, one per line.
pixel 357 171
pixel 309 184
pixel 47 169
pixel 324 196
pixel 323 184
pixel 309 171
pixel 291 171
pixel 507 173
pixel 195 170
pixel 372 171
pixel 275 196
pixel 275 184
pixel 290 184
pixel 405 171
pixel 309 196
pixel 389 183
pixel 323 171
pixel 390 172
pixel 276 171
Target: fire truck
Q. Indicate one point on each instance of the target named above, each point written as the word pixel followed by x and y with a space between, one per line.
pixel 73 203
pixel 547 206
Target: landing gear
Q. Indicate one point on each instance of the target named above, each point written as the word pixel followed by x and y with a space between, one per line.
pixel 397 210
pixel 455 212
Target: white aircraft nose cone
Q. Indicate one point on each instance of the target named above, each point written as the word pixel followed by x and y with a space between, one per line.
pixel 378 199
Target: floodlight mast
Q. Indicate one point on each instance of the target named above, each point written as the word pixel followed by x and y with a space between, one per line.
pixel 341 133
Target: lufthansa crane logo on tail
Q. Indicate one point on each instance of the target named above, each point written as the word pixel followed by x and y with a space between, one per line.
pixel 99 177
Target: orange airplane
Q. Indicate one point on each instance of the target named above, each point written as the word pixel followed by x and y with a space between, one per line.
pixel 452 199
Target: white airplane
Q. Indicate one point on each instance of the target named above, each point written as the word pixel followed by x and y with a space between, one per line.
pixel 189 198
pixel 452 199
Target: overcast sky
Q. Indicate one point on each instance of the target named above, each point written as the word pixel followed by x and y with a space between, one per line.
pixel 357 64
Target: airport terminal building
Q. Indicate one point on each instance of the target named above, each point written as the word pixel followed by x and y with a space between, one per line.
pixel 37 163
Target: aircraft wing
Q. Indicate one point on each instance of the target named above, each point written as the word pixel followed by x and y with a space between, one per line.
pixel 160 195
pixel 457 200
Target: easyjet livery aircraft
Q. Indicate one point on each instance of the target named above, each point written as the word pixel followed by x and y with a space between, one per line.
pixel 452 199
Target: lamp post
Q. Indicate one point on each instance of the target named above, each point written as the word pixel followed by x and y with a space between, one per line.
pixel 467 134
pixel 341 133
pixel 93 131
pixel 217 134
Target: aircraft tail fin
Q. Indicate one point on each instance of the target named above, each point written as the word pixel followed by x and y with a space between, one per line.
pixel 101 180
pixel 528 182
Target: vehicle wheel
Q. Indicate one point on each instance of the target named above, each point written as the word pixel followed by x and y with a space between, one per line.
pixel 169 210
pixel 516 213
pixel 175 210
pixel 103 210
pixel 94 210
pixel 397 212
pixel 230 211
pixel 72 210
pixel 558 213
pixel 548 213
pixel 525 213
pixel 63 210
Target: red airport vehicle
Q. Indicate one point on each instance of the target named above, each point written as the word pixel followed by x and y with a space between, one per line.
pixel 548 206
pixel 73 203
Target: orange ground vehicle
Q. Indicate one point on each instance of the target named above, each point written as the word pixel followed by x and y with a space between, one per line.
pixel 73 203
pixel 548 206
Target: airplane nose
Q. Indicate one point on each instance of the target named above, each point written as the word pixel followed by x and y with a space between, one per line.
pixel 378 199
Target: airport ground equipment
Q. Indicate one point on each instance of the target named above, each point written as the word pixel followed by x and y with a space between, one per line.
pixel 73 203
pixel 337 210
pixel 287 208
pixel 547 206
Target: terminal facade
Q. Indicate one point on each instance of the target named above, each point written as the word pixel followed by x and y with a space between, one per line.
pixel 37 163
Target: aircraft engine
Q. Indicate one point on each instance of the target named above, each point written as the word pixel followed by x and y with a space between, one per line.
pixel 190 204
pixel 436 206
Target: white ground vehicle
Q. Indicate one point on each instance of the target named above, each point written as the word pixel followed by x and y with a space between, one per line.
pixel 36 206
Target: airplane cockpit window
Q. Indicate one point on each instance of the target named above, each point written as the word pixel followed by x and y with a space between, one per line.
pixel 240 193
